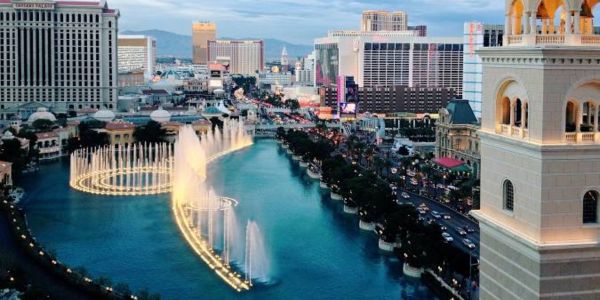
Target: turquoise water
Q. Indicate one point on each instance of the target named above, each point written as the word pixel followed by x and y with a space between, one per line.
pixel 316 251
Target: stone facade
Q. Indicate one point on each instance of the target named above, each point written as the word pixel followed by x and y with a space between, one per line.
pixel 540 157
pixel 457 136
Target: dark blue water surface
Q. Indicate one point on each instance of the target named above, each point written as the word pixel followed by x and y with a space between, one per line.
pixel 316 251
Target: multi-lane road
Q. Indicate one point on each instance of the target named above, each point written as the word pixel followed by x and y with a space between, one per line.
pixel 456 220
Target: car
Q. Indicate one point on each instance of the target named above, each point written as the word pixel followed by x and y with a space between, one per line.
pixel 469 229
pixel 405 195
pixel 443 228
pixel 461 231
pixel 469 244
pixel 424 207
pixel 447 217
pixel 421 211
pixel 436 215
pixel 447 237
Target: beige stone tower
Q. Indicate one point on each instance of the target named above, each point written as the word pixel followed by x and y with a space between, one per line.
pixel 540 152
pixel 202 32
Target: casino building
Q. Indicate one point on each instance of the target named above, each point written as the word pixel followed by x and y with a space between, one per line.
pixel 540 154
pixel 62 54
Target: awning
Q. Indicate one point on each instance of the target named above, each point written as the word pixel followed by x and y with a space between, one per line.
pixel 452 165
pixel 448 162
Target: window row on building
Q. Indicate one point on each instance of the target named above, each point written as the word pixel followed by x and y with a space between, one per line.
pixel 590 209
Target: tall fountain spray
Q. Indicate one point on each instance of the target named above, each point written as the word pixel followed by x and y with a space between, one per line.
pixel 135 169
pixel 256 264
pixel 206 220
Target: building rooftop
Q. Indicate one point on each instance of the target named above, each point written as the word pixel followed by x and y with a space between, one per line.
pixel 119 125
pixel 46 135
pixel 461 112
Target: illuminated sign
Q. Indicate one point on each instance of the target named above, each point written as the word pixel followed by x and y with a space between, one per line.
pixel 349 108
pixel 33 5
pixel 215 73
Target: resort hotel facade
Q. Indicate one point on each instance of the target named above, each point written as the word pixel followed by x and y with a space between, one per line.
pixel 62 54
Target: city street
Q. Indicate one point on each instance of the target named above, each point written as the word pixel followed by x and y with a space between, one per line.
pixel 456 220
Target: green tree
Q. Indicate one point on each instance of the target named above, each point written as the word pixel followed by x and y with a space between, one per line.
pixel 292 104
pixel 216 122
pixel 248 83
pixel 43 124
pixel 89 136
pixel 73 143
pixel 152 132
pixel 280 133
pixel 11 151
pixel 403 151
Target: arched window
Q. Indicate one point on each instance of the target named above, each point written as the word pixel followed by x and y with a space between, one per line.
pixel 518 113
pixel 508 195
pixel 588 117
pixel 590 207
pixel 570 117
pixel 506 111
pixel 516 18
pixel 526 117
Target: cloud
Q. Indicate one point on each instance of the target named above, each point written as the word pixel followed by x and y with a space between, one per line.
pixel 298 21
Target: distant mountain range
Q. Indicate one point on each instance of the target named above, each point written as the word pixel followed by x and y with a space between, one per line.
pixel 180 46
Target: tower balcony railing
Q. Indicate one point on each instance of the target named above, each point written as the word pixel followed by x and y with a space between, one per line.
pixel 590 39
pixel 549 39
pixel 512 131
pixel 553 39
pixel 515 39
pixel 582 137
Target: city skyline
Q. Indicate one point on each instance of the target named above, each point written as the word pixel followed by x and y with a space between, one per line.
pixel 314 17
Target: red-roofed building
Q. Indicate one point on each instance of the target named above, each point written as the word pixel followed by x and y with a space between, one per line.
pixel 457 135
pixel 49 145
pixel 120 132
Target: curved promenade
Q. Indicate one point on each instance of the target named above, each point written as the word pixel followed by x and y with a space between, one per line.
pixel 201 247
pixel 43 270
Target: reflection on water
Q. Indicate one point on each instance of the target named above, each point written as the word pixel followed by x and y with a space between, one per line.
pixel 316 251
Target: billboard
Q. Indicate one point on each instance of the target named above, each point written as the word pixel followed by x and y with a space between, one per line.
pixel 348 96
pixel 349 108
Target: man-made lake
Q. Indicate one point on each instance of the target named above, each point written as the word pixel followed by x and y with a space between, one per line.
pixel 315 251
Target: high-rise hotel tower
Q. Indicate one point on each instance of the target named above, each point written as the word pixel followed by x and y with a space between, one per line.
pixel 62 54
pixel 540 153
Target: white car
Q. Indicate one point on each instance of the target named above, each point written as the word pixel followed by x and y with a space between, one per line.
pixel 447 237
pixel 405 195
pixel 469 244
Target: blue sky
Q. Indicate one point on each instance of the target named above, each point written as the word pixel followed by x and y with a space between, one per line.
pixel 298 21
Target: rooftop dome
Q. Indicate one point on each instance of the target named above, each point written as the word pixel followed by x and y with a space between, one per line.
pixel 41 114
pixel 160 115
pixel 104 115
